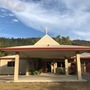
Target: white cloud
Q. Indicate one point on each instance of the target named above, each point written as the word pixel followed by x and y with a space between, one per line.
pixel 11 14
pixel 3 10
pixel 13 5
pixel 63 17
pixel 14 20
pixel 82 33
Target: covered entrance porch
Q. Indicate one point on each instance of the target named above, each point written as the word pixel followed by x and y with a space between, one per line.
pixel 52 54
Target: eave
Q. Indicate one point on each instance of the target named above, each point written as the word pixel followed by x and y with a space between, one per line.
pixel 81 48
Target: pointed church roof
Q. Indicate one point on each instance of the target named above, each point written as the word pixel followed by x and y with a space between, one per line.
pixel 47 41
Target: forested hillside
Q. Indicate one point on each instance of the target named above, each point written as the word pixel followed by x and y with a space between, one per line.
pixel 8 42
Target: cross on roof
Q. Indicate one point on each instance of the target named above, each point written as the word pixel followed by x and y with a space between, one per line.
pixel 46 29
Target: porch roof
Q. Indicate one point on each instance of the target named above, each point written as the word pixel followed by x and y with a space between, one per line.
pixel 48 51
pixel 33 47
pixel 47 47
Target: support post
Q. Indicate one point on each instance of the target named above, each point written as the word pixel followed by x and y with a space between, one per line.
pixel 84 68
pixel 52 67
pixel 66 66
pixel 27 67
pixel 55 67
pixel 16 69
pixel 74 59
pixel 78 66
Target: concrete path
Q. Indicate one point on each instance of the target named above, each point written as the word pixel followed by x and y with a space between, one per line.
pixel 44 77
pixel 49 78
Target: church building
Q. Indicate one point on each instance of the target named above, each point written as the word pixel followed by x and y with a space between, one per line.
pixel 48 56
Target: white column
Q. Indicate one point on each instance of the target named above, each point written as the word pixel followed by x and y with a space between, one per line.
pixel 0 66
pixel 66 66
pixel 74 59
pixel 52 67
pixel 27 67
pixel 84 68
pixel 16 69
pixel 55 67
pixel 78 66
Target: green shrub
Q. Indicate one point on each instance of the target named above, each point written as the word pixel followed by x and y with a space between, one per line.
pixel 35 72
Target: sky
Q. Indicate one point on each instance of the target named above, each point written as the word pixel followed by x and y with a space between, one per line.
pixel 28 18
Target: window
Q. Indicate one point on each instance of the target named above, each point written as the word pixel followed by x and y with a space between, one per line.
pixel 11 64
